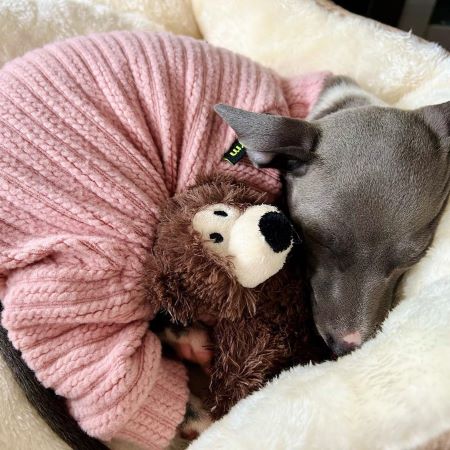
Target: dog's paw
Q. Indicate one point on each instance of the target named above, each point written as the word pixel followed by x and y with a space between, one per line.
pixel 196 419
pixel 190 343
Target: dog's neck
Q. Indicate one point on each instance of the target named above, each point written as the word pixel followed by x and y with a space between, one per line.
pixel 341 93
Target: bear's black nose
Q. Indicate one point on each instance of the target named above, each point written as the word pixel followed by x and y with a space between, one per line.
pixel 277 230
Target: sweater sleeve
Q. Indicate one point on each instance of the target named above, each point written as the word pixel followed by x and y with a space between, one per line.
pixel 80 320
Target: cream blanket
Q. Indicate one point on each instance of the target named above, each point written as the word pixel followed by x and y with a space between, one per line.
pixel 395 391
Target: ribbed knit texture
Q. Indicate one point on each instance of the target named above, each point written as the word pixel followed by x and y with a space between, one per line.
pixel 95 134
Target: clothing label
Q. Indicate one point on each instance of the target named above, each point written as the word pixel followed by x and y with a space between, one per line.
pixel 235 153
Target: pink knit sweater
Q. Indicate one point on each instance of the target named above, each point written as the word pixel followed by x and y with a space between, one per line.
pixel 95 134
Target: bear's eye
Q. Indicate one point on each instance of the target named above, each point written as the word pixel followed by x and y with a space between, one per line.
pixel 216 237
pixel 220 213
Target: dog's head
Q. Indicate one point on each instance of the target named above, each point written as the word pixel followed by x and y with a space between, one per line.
pixel 367 186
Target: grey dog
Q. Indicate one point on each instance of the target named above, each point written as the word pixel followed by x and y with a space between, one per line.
pixel 367 184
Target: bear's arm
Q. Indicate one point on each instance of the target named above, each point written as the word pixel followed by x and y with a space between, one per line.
pixel 247 354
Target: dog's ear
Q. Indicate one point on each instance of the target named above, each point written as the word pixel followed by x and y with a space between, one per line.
pixel 272 141
pixel 438 118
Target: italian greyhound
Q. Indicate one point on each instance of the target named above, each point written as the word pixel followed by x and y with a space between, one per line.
pixel 366 183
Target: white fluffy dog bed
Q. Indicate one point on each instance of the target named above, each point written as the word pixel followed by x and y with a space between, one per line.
pixel 395 391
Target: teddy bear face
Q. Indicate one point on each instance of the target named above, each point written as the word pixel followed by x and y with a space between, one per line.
pixel 256 239
pixel 210 249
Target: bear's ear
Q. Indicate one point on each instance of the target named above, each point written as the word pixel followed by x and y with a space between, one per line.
pixel 272 141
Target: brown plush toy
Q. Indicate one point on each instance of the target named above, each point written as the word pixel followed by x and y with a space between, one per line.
pixel 220 258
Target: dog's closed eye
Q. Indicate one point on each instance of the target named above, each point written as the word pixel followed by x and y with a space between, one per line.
pixel 406 261
pixel 326 242
pixel 410 249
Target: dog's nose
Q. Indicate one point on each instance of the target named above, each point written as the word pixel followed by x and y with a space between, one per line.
pixel 277 230
pixel 343 345
pixel 353 338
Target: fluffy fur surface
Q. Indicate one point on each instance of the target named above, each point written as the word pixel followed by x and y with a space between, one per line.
pixel 399 67
pixel 255 332
pixel 28 24
pixel 187 272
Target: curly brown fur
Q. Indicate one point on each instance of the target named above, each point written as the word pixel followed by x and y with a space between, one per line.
pixel 256 332
pixel 194 282
pixel 253 349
